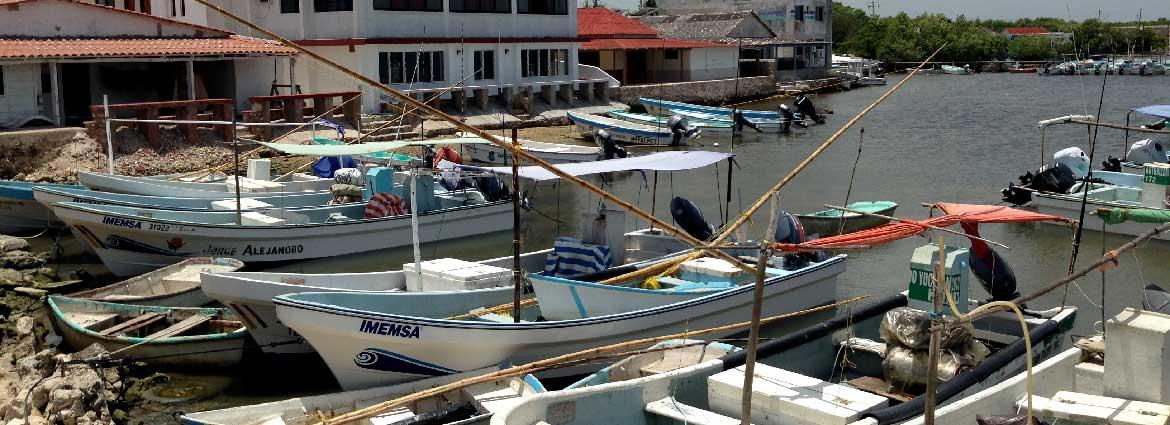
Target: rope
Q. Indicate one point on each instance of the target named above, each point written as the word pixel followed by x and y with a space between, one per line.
pixel 849 191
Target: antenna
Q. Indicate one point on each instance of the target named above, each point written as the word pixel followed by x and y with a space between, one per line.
pixel 873 5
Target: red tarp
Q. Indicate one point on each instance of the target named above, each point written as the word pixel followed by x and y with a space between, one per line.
pixel 953 214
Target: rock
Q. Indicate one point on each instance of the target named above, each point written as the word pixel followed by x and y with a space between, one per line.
pixel 119 415
pixel 25 325
pixel 9 277
pixel 10 243
pixel 41 275
pixel 21 260
pixel 32 292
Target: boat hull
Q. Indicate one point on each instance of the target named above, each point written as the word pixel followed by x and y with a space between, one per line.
pixel 830 226
pixel 178 283
pixel 49 196
pixel 162 187
pixel 19 210
pixel 493 154
pixel 663 107
pixel 359 358
pixel 622 131
pixel 130 244
pixel 1070 206
pixel 562 299
pixel 661 121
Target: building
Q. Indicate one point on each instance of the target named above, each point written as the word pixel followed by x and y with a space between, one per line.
pixel 485 47
pixel 58 57
pixel 1055 37
pixel 635 53
pixel 803 30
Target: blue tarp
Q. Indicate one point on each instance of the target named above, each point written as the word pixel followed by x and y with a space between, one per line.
pixel 1155 110
pixel 327 165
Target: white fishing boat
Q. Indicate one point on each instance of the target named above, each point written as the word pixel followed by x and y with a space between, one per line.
pixel 629 132
pixel 554 153
pixel 764 124
pixel 48 196
pixel 471 405
pixel 296 183
pixel 661 121
pixel 376 339
pixel 176 285
pixel 19 212
pixel 133 240
pixel 1114 379
pixel 168 337
pixel 956 70
pixel 666 107
pixel 798 378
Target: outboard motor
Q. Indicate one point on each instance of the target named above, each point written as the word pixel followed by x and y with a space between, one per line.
pixel 739 121
pixel 609 149
pixel 1146 150
pixel 789 230
pixel 1075 159
pixel 787 117
pixel 806 108
pixel 492 188
pixel 1112 164
pixel 690 218
pixel 680 128
pixel 1068 166
pixel 992 271
pixel 1156 126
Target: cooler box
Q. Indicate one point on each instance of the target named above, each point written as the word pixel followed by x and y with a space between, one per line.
pixel 783 397
pixel 450 274
pixel 245 204
pixel 253 186
pixel 708 269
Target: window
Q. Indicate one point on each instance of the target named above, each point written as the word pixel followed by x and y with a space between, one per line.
pixel 290 6
pixel 485 65
pixel 543 7
pixel 820 14
pixel 332 5
pixel 799 12
pixel 544 62
pixel 671 54
pixel 178 7
pixel 481 6
pixel 109 3
pixel 410 5
pixel 410 67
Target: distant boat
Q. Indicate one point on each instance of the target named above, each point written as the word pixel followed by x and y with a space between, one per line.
pixel 956 70
pixel 663 107
pixel 410 336
pixel 471 405
pixel 628 132
pixel 661 121
pixel 162 187
pixel 176 285
pixel 829 222
pixel 170 337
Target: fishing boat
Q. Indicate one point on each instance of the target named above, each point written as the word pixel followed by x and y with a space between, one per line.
pixel 660 358
pixel 48 196
pixel 764 124
pixel 296 183
pixel 666 107
pixel 799 377
pixel 661 121
pixel 176 285
pixel 629 132
pixel 132 240
pixel 471 405
pixel 168 337
pixel 831 222
pixel 377 339
pixel 1110 379
pixel 554 153
pixel 20 212
pixel 956 70
pixel 1112 190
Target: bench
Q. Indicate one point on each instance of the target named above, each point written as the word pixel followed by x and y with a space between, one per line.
pixel 134 324
pixel 673 409
pixel 180 327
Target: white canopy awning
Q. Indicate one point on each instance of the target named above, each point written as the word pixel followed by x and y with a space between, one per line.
pixel 661 161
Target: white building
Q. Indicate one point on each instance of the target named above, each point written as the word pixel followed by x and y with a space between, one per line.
pixel 59 57
pixel 488 47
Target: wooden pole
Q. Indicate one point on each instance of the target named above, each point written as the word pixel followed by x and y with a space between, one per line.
pixel 940 280
pixel 903 220
pixel 109 133
pixel 749 368
pixel 236 154
pixel 516 281
pixel 520 154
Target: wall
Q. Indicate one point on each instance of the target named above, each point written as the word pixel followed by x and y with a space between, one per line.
pixel 710 91
pixel 382 23
pixel 63 18
pixel 712 63
pixel 22 83
pixel 254 78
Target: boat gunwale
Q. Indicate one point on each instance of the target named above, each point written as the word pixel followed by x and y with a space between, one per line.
pixel 239 333
pixel 89 293
pixel 98 200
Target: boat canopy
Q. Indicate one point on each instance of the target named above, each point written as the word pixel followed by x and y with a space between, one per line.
pixel 952 214
pixel 1155 110
pixel 365 148
pixel 660 161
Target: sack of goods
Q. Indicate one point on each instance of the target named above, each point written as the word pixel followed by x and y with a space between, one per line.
pixel 1144 151
pixel 349 176
pixel 345 193
pixel 906 332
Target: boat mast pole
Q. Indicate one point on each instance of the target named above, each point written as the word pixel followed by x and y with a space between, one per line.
pixel 110 136
pixel 414 226
pixel 749 367
pixel 236 160
pixel 516 279
pixel 940 279
pixel 1125 146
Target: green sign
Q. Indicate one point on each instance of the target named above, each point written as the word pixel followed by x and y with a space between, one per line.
pixel 1156 175
pixel 922 287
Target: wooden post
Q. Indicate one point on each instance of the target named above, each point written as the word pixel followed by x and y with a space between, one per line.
pixel 190 79
pixel 236 154
pixel 940 279
pixel 187 112
pixel 227 112
pixel 749 368
pixel 516 278
pixel 109 133
pixel 55 93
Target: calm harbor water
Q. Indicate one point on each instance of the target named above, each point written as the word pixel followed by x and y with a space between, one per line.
pixel 941 138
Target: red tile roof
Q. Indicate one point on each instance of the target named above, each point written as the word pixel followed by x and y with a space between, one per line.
pixel 600 22
pixel 1026 30
pixel 645 44
pixel 138 47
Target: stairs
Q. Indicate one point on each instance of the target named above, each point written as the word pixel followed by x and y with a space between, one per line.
pixel 390 129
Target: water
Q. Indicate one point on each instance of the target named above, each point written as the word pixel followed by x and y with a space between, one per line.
pixel 940 138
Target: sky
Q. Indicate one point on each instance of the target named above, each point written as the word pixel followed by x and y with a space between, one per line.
pixel 1123 10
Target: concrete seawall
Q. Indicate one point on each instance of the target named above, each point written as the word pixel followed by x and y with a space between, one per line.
pixel 709 92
